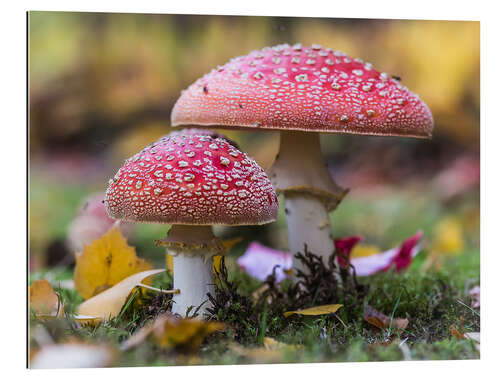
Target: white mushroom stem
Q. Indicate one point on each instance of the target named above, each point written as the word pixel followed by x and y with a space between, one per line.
pixel 308 225
pixel 310 193
pixel 192 269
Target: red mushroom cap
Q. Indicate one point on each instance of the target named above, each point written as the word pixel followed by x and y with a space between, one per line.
pixel 190 178
pixel 307 89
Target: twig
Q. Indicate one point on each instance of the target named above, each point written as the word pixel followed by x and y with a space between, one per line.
pixel 171 291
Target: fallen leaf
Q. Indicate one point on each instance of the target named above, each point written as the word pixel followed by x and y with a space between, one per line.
pixel 216 263
pixel 87 319
pixel 259 262
pixel 72 355
pixel 456 333
pixel 105 262
pixel 382 321
pixel 272 344
pixel 172 332
pixel 316 310
pixel 449 237
pixel 169 262
pixel 108 304
pixel 43 301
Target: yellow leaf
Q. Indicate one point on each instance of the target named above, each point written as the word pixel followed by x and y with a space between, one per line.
pixel 289 272
pixel 86 319
pixel 449 237
pixel 216 262
pixel 172 332
pixel 272 344
pixel 105 262
pixel 225 244
pixel 360 251
pixel 316 310
pixel 44 302
pixel 170 262
pixel 107 305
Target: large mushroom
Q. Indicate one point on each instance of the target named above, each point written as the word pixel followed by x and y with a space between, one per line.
pixel 192 181
pixel 304 91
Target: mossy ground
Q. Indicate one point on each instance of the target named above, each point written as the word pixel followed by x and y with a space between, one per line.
pixel 431 301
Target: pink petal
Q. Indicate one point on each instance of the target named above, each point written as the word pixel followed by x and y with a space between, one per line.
pixel 259 261
pixel 475 294
pixel 400 257
pixel 407 252
pixel 371 264
pixel 91 222
pixel 344 248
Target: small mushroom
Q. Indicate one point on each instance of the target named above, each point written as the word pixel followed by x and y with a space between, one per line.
pixel 192 180
pixel 302 92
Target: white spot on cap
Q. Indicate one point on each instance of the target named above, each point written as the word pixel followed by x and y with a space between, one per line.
pixel 301 78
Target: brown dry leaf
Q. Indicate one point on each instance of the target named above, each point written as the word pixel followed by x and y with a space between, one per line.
pixel 72 354
pixel 382 321
pixel 456 333
pixel 172 332
pixel 105 262
pixel 316 310
pixel 460 334
pixel 43 301
pixel 87 320
pixel 108 304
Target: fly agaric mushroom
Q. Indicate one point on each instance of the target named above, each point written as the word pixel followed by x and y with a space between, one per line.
pixel 304 91
pixel 192 181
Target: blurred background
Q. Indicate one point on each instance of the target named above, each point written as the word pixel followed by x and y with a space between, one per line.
pixel 101 87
